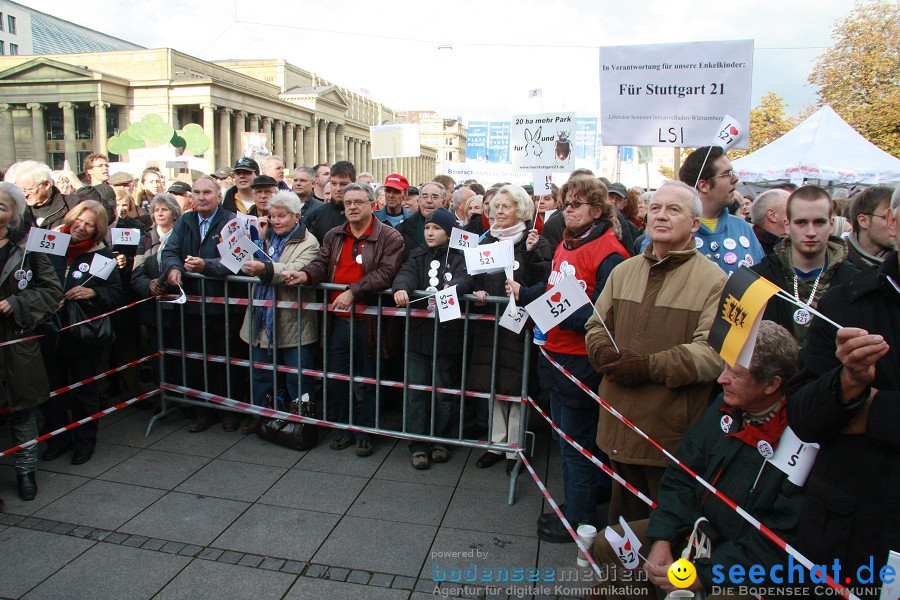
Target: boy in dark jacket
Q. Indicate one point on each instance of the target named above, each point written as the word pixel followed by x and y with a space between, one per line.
pixel 433 358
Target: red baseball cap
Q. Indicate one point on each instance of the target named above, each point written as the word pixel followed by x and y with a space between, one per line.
pixel 396 181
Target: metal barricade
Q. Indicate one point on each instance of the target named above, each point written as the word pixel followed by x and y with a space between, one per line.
pixel 179 324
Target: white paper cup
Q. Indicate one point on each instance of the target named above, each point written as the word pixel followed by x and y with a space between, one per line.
pixel 586 533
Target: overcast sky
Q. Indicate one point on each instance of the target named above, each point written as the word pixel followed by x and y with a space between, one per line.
pixel 499 47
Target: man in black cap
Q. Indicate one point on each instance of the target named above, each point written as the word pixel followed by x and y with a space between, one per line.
pixel 182 193
pixel 225 178
pixel 239 198
pixel 264 187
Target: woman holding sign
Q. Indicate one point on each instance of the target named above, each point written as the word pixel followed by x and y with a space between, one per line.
pixel 30 293
pixel 78 356
pixel 589 251
pixel 512 210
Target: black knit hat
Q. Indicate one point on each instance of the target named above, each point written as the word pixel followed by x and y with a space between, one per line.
pixel 444 218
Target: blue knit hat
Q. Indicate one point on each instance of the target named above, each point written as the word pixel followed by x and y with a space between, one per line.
pixel 444 218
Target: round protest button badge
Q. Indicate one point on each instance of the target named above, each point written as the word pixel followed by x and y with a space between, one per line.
pixel 698 242
pixel 448 276
pixel 77 275
pixel 28 275
pixel 515 265
pixel 359 259
pixel 744 241
pixel 726 422
pixel 434 281
pixel 801 316
pixel 765 448
pixel 729 243
pixel 714 246
pixel 718 256
pixel 431 288
pixel 749 260
pixel 84 267
pixel 435 264
pixel 272 251
pixel 23 284
pixel 432 272
pixel 20 274
pixel 730 258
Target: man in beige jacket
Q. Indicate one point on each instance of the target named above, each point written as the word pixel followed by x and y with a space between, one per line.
pixel 658 307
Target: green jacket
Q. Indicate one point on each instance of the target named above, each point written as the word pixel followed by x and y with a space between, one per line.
pixel 731 465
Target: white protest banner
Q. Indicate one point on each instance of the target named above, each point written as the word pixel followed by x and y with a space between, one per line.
pixel 487 174
pixel 514 322
pixel 448 304
pixel 233 230
pixel 48 242
pixel 180 163
pixel 541 142
pixel 234 256
pixel 460 238
pixel 101 266
pixel 794 457
pixel 158 155
pixel 730 133
pixel 623 547
pixel 543 182
pixel 489 258
pixel 253 145
pixel 125 237
pixel 556 304
pixel 673 94
pixel 396 140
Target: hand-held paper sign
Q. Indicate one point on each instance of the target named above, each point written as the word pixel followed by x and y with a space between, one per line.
pixel 489 258
pixel 102 267
pixel 627 548
pixel 234 256
pixel 514 322
pixel 460 238
pixel 556 304
pixel 741 306
pixel 233 229
pixel 48 242
pixel 730 133
pixel 448 304
pixel 794 457
pixel 125 237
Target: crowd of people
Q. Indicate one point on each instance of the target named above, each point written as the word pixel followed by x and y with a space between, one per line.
pixel 653 264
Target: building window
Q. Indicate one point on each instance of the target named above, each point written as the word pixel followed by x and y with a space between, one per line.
pixel 1 21
pixel 13 49
pixel 2 49
pixel 84 124
pixel 11 24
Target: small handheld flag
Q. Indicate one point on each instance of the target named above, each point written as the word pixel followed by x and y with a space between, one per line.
pixel 102 267
pixel 48 242
pixel 556 304
pixel 448 304
pixel 794 457
pixel 235 255
pixel 489 258
pixel 460 238
pixel 125 237
pixel 729 133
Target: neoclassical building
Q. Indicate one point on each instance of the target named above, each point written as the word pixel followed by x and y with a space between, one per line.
pixel 63 106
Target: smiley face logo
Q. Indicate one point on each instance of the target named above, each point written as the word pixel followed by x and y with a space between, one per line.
pixel 682 574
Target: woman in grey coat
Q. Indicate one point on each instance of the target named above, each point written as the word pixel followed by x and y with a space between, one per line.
pixel 29 295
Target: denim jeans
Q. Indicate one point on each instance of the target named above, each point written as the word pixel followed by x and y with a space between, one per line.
pixel 418 414
pixel 262 378
pixel 340 393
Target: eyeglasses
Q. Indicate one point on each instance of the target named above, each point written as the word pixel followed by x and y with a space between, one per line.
pixel 574 205
pixel 881 216
pixel 432 197
pixel 728 173
pixel 356 202
pixel 33 191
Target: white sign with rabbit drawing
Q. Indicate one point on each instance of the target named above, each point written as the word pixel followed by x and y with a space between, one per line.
pixel 542 142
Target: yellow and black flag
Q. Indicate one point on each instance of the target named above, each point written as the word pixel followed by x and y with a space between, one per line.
pixel 744 298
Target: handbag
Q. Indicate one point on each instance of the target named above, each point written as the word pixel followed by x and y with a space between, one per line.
pixel 93 333
pixel 290 434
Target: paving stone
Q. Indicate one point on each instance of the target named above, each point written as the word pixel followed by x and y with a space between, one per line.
pixel 105 457
pixel 154 544
pixel 152 468
pixel 52 486
pixel 28 523
pixel 135 540
pixel 293 566
pixel 272 564
pixel 45 525
pixel 492 513
pixel 187 518
pixel 337 574
pixel 261 530
pixel 397 467
pixel 38 556
pixel 406 502
pixel 316 571
pixel 126 573
pixel 312 490
pixel 210 443
pixel 484 549
pixel 99 534
pixel 307 587
pixel 255 450
pixel 102 504
pixel 210 554
pixel 116 538
pixel 404 583
pixel 251 560
pixel 381 580
pixel 131 430
pixel 230 557
pixel 63 528
pixel 11 519
pixel 357 576
pixel 172 547
pixel 345 462
pixel 190 550
pixel 232 480
pixel 218 580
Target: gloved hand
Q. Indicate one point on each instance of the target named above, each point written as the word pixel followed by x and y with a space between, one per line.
pixel 631 370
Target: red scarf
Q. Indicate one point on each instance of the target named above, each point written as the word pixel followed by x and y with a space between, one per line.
pixel 76 249
pixel 769 431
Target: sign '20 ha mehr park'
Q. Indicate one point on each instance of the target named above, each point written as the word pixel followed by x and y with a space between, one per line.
pixel 673 94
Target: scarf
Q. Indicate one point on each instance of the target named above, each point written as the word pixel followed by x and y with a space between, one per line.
pixel 572 241
pixel 513 234
pixel 76 249
pixel 163 239
pixel 264 315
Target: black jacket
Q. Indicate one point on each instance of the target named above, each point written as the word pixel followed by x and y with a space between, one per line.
pixel 323 218
pixel 51 213
pixel 413 275
pixel 852 508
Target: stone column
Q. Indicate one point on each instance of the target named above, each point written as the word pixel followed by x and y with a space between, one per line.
pixel 309 145
pixel 209 128
pixel 354 152
pixel 332 155
pixel 38 132
pixel 68 134
pixel 289 161
pixel 100 133
pixel 322 155
pixel 367 156
pixel 239 124
pixel 7 135
pixel 267 131
pixel 224 138
pixel 299 150
pixel 278 146
pixel 340 143
pixel 254 123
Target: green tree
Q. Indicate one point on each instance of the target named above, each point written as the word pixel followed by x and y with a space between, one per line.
pixel 768 122
pixel 859 77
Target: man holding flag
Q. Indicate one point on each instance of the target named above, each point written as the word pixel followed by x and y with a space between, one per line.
pixel 658 369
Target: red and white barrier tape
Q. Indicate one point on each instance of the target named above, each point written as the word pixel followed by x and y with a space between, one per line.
pixel 70 426
pixel 69 388
pixel 593 458
pixel 243 362
pixel 771 535
pixel 270 413
pixel 115 310
pixel 537 480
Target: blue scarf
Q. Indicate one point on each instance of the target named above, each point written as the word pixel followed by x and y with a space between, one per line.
pixel 264 315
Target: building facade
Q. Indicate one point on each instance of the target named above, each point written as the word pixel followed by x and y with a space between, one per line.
pixel 61 107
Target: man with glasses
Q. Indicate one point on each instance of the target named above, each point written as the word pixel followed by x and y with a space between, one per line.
pixel 431 198
pixel 724 238
pixel 870 240
pixel 46 205
pixel 364 255
pixel 331 213
pixel 96 169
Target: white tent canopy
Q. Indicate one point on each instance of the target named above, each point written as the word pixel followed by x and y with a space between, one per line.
pixel 823 147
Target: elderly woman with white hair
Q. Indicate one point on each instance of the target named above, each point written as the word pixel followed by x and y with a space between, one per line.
pixel 290 247
pixel 31 293
pixel 512 210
